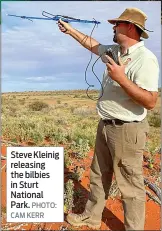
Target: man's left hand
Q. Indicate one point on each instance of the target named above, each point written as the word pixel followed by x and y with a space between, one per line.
pixel 115 71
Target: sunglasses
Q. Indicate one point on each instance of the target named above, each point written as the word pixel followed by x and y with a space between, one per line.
pixel 118 23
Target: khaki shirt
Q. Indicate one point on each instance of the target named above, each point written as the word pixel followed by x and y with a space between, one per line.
pixel 143 70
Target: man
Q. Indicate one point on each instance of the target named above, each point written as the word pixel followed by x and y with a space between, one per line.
pixel 130 88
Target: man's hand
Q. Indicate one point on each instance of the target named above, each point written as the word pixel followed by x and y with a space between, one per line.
pixel 64 27
pixel 141 96
pixel 115 71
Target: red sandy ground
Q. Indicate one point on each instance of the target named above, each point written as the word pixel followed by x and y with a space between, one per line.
pixel 113 212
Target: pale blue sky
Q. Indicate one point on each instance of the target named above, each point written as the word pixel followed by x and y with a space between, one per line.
pixel 38 57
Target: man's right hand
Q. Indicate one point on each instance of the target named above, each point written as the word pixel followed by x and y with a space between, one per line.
pixel 64 27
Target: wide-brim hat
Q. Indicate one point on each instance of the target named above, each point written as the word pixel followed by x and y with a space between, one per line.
pixel 135 16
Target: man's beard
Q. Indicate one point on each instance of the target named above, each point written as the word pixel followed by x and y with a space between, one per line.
pixel 114 38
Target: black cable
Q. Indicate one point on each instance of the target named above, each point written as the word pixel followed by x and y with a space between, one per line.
pixel 86 37
pixel 102 90
pixel 92 70
pixel 89 60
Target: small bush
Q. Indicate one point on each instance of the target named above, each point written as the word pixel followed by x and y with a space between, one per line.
pixel 68 196
pixel 38 106
pixel 78 173
pixel 3 209
pixel 84 111
pixel 154 120
pixel 22 101
pixel 58 101
pixel 13 111
pixel 80 147
pixel 67 159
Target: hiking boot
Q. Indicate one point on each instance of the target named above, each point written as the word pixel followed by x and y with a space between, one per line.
pixel 83 219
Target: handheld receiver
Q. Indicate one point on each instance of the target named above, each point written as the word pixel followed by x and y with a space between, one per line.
pixel 112 55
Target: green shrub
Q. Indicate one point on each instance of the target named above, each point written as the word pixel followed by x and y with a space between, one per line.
pixel 68 196
pixel 67 159
pixel 84 111
pixel 80 147
pixel 78 173
pixel 154 119
pixel 58 101
pixel 22 101
pixel 38 106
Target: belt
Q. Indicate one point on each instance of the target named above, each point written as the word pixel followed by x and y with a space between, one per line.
pixel 118 122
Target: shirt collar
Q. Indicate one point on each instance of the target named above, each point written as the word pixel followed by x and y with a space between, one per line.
pixel 134 47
